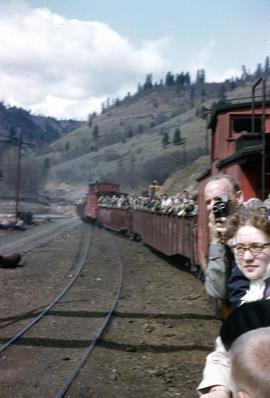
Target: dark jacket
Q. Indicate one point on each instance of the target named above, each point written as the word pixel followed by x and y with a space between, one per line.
pixel 238 284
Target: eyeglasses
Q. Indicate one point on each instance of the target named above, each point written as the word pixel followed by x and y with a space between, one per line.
pixel 254 248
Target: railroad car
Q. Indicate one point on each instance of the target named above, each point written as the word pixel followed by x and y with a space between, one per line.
pixel 240 135
pixel 164 232
pixel 240 147
pixel 116 218
pixel 95 190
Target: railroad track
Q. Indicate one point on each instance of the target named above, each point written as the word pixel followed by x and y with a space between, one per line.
pixel 67 329
pixel 26 240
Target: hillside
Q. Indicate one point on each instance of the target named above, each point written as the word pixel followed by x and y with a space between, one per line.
pixel 125 144
pixel 155 134
pixel 186 179
pixel 37 131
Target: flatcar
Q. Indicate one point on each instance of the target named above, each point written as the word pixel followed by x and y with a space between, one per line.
pixel 240 147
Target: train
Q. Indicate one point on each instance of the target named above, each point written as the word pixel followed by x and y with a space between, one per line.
pixel 240 147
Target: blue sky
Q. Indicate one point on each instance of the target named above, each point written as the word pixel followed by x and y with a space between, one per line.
pixel 72 55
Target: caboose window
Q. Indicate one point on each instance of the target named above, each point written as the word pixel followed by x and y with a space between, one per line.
pixel 243 125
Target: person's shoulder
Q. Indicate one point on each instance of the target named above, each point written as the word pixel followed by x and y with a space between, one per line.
pixel 253 203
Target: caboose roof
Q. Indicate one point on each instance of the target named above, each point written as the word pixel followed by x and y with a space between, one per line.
pixel 231 107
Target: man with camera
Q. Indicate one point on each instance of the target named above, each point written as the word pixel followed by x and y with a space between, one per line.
pixel 222 197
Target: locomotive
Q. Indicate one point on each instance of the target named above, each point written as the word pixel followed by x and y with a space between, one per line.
pixel 240 147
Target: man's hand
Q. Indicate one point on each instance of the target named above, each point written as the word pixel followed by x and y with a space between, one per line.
pixel 217 228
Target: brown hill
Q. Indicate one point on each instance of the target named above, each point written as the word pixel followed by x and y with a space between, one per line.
pixel 126 144
pixel 186 179
pixel 134 141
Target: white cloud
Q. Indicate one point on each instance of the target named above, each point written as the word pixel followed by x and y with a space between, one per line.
pixel 205 58
pixel 201 58
pixel 66 67
pixel 214 76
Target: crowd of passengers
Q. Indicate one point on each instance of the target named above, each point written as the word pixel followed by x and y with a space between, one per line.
pixel 237 281
pixel 180 204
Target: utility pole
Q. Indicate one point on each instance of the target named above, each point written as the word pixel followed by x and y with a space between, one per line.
pixel 184 152
pixel 18 180
pixel 206 137
pixel 206 114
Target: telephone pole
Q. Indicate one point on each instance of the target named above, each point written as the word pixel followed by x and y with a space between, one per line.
pixel 18 179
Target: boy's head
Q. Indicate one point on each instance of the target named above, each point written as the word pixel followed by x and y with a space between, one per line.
pixel 250 364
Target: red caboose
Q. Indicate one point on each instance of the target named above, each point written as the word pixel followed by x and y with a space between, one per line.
pixel 95 190
pixel 240 147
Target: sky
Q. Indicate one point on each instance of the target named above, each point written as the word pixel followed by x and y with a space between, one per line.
pixel 63 58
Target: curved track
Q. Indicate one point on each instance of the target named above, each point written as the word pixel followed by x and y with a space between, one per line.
pixel 67 302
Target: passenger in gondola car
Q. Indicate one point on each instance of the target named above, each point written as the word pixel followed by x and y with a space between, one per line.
pixel 251 244
pixel 263 210
pixel 222 197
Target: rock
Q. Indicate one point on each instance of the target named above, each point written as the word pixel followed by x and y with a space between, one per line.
pixel 11 261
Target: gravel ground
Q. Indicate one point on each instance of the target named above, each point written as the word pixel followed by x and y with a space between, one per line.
pixel 155 345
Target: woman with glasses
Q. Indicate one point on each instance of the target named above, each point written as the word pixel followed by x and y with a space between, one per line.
pixel 251 244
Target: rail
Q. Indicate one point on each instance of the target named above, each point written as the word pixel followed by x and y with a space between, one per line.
pixel 64 291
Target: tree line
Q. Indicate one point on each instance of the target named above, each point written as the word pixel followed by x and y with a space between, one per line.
pixel 183 79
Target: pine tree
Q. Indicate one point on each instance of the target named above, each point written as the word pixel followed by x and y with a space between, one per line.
pixel 244 73
pixel 95 132
pixel 180 80
pixel 258 70
pixel 11 138
pixel 177 140
pixel 165 140
pixel 232 84
pixel 192 96
pixel 266 65
pixel 169 81
pixel 200 76
pixel 148 82
pixel 187 79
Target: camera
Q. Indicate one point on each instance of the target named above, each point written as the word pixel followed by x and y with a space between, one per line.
pixel 221 207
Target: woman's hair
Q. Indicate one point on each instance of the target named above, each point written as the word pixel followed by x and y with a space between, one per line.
pixel 248 215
